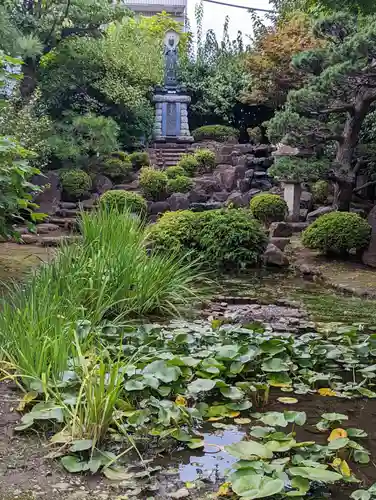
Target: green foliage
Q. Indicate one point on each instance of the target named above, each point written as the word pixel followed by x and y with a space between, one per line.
pixel 153 183
pixel 255 135
pixel 179 184
pixel 78 136
pixel 268 208
pixel 16 190
pixel 320 191
pixel 189 163
pixel 220 133
pixel 117 167
pixel 292 168
pixel 205 159
pixel 220 238
pixel 175 171
pixel 75 183
pixel 337 232
pixel 120 201
pixel 139 159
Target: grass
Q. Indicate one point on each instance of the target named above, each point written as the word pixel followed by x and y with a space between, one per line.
pixel 109 275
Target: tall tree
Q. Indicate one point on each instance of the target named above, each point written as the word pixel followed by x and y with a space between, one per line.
pixel 332 107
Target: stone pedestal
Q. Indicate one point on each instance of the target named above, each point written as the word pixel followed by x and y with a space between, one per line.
pixel 291 194
pixel 171 115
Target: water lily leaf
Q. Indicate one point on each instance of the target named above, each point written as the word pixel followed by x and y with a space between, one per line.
pixel 366 392
pixel 274 418
pixel 297 417
pixel 280 446
pixel 134 385
pixel 353 432
pixel 279 380
pixel 27 398
pixel 287 401
pixel 181 435
pixel 334 417
pixel 345 469
pixel 302 484
pixel 74 464
pixel 81 445
pixel 360 495
pixel 315 474
pixel 195 443
pixel 244 405
pixel 274 365
pixel 162 371
pixel 242 421
pixel 201 385
pixel 338 443
pixel 164 390
pixel 248 449
pixel 236 367
pixel 189 361
pixel 249 485
pixel 337 433
pixel 232 393
pixel 361 457
pixel 227 352
pixel 115 473
pixel 260 432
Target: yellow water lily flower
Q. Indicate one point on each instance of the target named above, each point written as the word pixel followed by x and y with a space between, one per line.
pixel 224 490
pixel 341 466
pixel 326 391
pixel 180 400
pixel 337 433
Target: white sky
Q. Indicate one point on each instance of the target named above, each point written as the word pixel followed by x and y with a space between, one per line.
pixel 214 16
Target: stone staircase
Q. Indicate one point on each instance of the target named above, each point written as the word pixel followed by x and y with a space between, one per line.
pixel 167 154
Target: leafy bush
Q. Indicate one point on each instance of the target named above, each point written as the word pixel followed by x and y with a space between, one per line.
pixel 320 191
pixel 255 135
pixel 221 238
pixel 337 232
pixel 153 183
pixel 175 171
pixel 75 183
pixel 220 133
pixel 139 159
pixel 268 208
pixel 205 159
pixel 189 163
pixel 292 168
pixel 121 200
pixel 117 167
pixel 180 184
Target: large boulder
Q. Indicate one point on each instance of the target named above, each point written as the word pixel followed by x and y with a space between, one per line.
pixel 306 200
pixel 202 207
pixel 369 256
pixel 198 196
pixel 101 184
pixel 221 196
pixel 49 199
pixel 280 230
pixel 273 256
pixel 208 184
pixel 158 207
pixel 178 201
pixel 280 243
pixel 237 199
pixel 226 177
pixel 320 211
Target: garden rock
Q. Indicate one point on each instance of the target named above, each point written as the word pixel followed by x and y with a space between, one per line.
pixel 320 211
pixel 273 256
pixel 29 239
pixel 101 184
pixel 280 243
pixel 68 205
pixel 199 196
pixel 178 201
pixel 303 212
pixel 226 177
pixel 46 228
pixel 236 199
pixel 158 207
pixel 243 185
pixel 369 256
pixel 280 230
pixel 221 196
pixel 306 200
pixel 201 207
pixel 208 184
pixel 49 199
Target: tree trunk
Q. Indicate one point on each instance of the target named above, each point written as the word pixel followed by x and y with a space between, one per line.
pixel 29 81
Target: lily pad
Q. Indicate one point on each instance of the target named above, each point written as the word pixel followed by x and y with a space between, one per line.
pixel 315 474
pixel 201 385
pixel 246 450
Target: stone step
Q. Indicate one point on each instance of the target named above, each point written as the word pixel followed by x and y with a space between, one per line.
pixel 62 212
pixel 50 240
pixel 64 222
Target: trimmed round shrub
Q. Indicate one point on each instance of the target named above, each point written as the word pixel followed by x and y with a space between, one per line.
pixel 116 168
pixel 75 183
pixel 189 163
pixel 220 133
pixel 175 171
pixel 153 183
pixel 337 233
pixel 139 159
pixel 320 191
pixel 120 200
pixel 296 169
pixel 205 159
pixel 181 184
pixel 268 208
pixel 220 238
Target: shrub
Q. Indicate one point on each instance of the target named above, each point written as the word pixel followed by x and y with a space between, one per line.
pixel 337 232
pixel 220 133
pixel 117 168
pixel 297 169
pixel 139 159
pixel 205 159
pixel 220 238
pixel 255 135
pixel 268 208
pixel 75 183
pixel 320 191
pixel 175 171
pixel 181 184
pixel 121 200
pixel 189 163
pixel 153 183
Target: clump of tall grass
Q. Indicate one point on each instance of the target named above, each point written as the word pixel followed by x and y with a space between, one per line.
pixel 109 274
